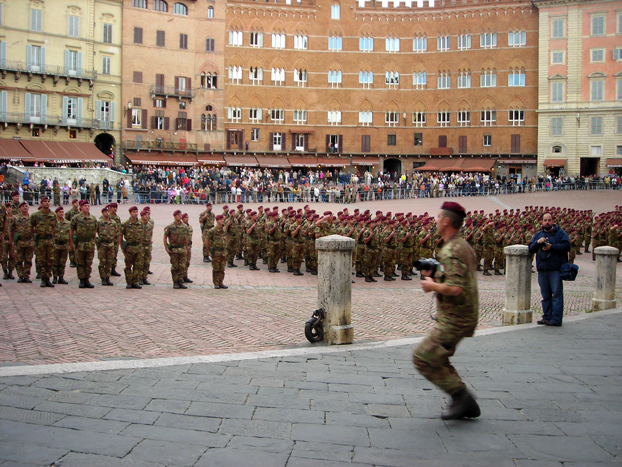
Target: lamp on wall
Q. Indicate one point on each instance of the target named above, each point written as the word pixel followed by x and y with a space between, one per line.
pixel 128 108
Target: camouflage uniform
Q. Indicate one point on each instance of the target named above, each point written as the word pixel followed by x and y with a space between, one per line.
pixel 371 253
pixel 406 255
pixel 106 233
pixel 252 242
pixel 61 249
pixel 233 236
pixel 500 239
pixel 24 245
pixel 189 232
pixel 489 248
pixel 56 191
pixel 133 232
pixel 8 251
pixel 117 219
pixel 147 246
pixel 390 251
pixel 297 247
pixel 206 221
pixel 456 317
pixel 274 243
pixel 84 229
pixel 217 239
pixel 3 223
pixel 175 233
pixel 72 250
pixel 43 225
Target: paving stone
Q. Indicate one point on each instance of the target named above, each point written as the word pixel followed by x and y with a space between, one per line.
pixel 227 388
pixel 14 400
pixel 121 401
pixel 75 459
pixel 276 400
pixel 344 379
pixel 552 415
pixel 72 397
pixel 322 451
pixel 92 424
pixel 30 454
pixel 338 406
pixel 406 439
pixel 177 384
pixel 355 388
pixel 104 388
pixel 207 368
pixel 172 406
pixel 386 411
pixel 216 410
pixel 188 422
pixel 59 384
pixel 132 416
pixel 485 425
pixel 134 381
pixel 167 453
pixel 366 421
pixel 560 448
pixel 498 444
pixel 184 395
pixel 78 410
pixel 590 428
pixel 259 428
pixel 611 444
pixel 288 415
pixel 176 435
pixel 36 392
pixel 261 444
pixel 241 458
pixel 349 436
pixel 304 462
pixel 29 416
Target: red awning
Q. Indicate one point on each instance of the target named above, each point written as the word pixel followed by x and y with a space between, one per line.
pixel 366 160
pixel 439 165
pixel 274 162
pixel 90 151
pixel 554 162
pixel 333 161
pixel 614 162
pixel 146 158
pixel 441 151
pixel 477 165
pixel 207 159
pixel 241 161
pixel 11 149
pixel 39 150
pixel 302 161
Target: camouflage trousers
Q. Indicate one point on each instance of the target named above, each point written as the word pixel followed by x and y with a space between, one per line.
pixel 369 262
pixel 146 263
pixel 84 259
pixel 72 255
pixel 23 258
pixel 572 254
pixel 297 254
pixel 499 259
pixel 359 256
pixel 488 257
pixel 7 255
pixel 188 258
pixel 389 261
pixel 115 253
pixel 232 248
pixel 133 264
pixel 206 253
pixel 274 253
pixel 44 254
pixel 178 262
pixel 406 260
pixel 105 252
pixel 588 240
pixel 219 261
pixel 478 255
pixel 60 260
pixel 251 252
pixel 431 358
pixel 289 245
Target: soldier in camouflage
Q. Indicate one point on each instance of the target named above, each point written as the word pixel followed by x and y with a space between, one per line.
pixel 61 246
pixel 175 244
pixel 216 243
pixel 106 234
pixel 297 242
pixel 82 238
pixel 8 251
pixel 206 221
pixel 185 219
pixel 113 215
pixel 74 211
pixel 273 234
pixel 23 243
pixel 253 233
pixel 147 244
pixel 132 232
pixel 457 298
pixel 3 222
pixel 43 224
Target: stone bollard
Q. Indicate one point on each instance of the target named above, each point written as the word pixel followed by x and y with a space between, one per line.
pixel 517 308
pixel 334 287
pixel 605 290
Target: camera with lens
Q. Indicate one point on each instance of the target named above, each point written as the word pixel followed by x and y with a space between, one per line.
pixel 427 264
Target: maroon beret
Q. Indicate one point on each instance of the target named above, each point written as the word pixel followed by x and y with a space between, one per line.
pixel 15 193
pixel 328 213
pixel 75 201
pixel 259 207
pixel 176 212
pixel 45 198
pixel 113 205
pixel 219 216
pixel 454 207
pixel 23 203
pixel 208 204
pixel 60 208
pixel 105 208
pixel 83 202
pixel 144 212
pixel 185 214
pixel 297 216
pixel 225 207
pixel 240 206
pixel 133 208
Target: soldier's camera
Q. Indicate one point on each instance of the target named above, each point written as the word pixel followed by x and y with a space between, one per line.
pixel 427 264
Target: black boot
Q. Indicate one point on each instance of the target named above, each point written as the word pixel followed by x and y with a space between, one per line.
pixel 406 278
pixel 463 405
pixel 26 280
pixel 61 280
pixel 182 285
pixel 314 272
pixel 206 259
pixel 6 275
pixel 176 285
pixel 486 273
pixel 104 281
pixel 372 279
pixel 48 283
pixel 146 282
pixel 359 274
pixel 38 276
pixel 187 280
pixel 115 273
pixel 290 269
pixel 72 264
pixel 368 279
pixel 223 286
pixel 87 284
pixel 55 280
pixel 298 273
pixel 11 276
pixel 81 283
pixel 108 281
pixel 136 286
pixel 43 283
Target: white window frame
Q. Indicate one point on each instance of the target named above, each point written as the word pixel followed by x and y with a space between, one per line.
pixel 277 76
pixel 106 64
pixel 619 89
pixel 392 79
pixel 464 118
pixel 300 77
pixel 392 44
pixel 619 125
pixel 180 9
pixel 597 90
pixel 210 12
pixel 464 41
pixel 366 79
pixel 560 55
pixel 517 39
pixel 558 91
pixel 597 55
pixel 234 114
pixel 334 117
pixel 443 118
pixel 516 117
pixel 596 126
pixel 107 33
pixel 301 42
pixel 488 117
pixel 335 78
pixel 300 116
pixel 487 141
pixel 443 43
pixel 335 43
pixel 558 28
pixel 137 118
pixel 299 141
pixel 335 11
pixel 366 118
pixel 392 118
pixel 254 134
pixel 255 115
pixel 419 118
pixel 277 115
pixel 235 74
pixel 277 141
pixel 278 40
pixel 420 44
pixel 556 125
pixel 73 26
pixel 255 76
pixel 464 79
pixel 596 150
pixel 420 80
pixel 236 38
pixel 444 81
pixel 595 28
pixel 366 44
pixel 488 40
pixel 256 39
pixel 488 79
pixel 516 78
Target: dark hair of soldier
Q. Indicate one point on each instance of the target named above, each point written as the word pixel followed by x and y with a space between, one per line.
pixel 454 219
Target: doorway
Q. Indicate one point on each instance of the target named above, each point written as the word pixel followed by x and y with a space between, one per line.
pixel 393 167
pixel 590 166
pixel 105 143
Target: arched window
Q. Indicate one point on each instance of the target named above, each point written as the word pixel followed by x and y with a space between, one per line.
pixel 139 3
pixel 160 5
pixel 208 121
pixel 209 80
pixel 180 9
pixel 210 12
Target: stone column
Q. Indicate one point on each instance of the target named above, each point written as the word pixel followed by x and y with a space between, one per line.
pixel 334 287
pixel 605 290
pixel 517 308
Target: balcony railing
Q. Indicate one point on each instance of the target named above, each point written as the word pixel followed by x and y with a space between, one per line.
pixel 45 69
pixel 55 120
pixel 159 145
pixel 172 91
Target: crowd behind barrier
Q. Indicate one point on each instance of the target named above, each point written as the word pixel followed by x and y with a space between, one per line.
pixel 200 185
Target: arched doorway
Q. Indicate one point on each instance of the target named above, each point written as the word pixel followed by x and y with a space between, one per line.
pixel 105 143
pixel 392 167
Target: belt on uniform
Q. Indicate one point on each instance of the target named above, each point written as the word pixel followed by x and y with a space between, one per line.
pixel 46 237
pixel 61 242
pixel 133 244
pixel 217 249
pixel 84 240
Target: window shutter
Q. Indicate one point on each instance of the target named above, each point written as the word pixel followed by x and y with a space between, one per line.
pixel 271 142
pixel 328 141
pixel 188 85
pixel 284 141
pixel 79 64
pixel 240 139
pixel 65 105
pixel 129 119
pixel 306 142
pixel 153 123
pixel 259 114
pixel 206 146
pixel 442 141
pixel 3 54
pixel 67 55
pixel 43 59
pixel 3 104
pixel 44 108
pixel 229 133
pixel 143 122
pixel 98 110
pixel 189 124
pixel 176 84
pixel 340 143
pixel 166 123
pixel 229 113
pixel 112 110
pixel 27 98
pixel 79 113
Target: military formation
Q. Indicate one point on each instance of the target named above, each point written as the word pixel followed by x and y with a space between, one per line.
pixel 386 244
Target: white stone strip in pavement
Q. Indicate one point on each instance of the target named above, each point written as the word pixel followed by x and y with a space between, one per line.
pixel 499 202
pixel 60 368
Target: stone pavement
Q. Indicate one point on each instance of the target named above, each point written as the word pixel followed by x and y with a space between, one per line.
pixel 549 397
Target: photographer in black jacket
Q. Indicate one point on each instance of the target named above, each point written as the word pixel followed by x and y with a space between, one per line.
pixel 551 246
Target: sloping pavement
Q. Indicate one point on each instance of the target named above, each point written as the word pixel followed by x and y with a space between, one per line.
pixel 549 397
